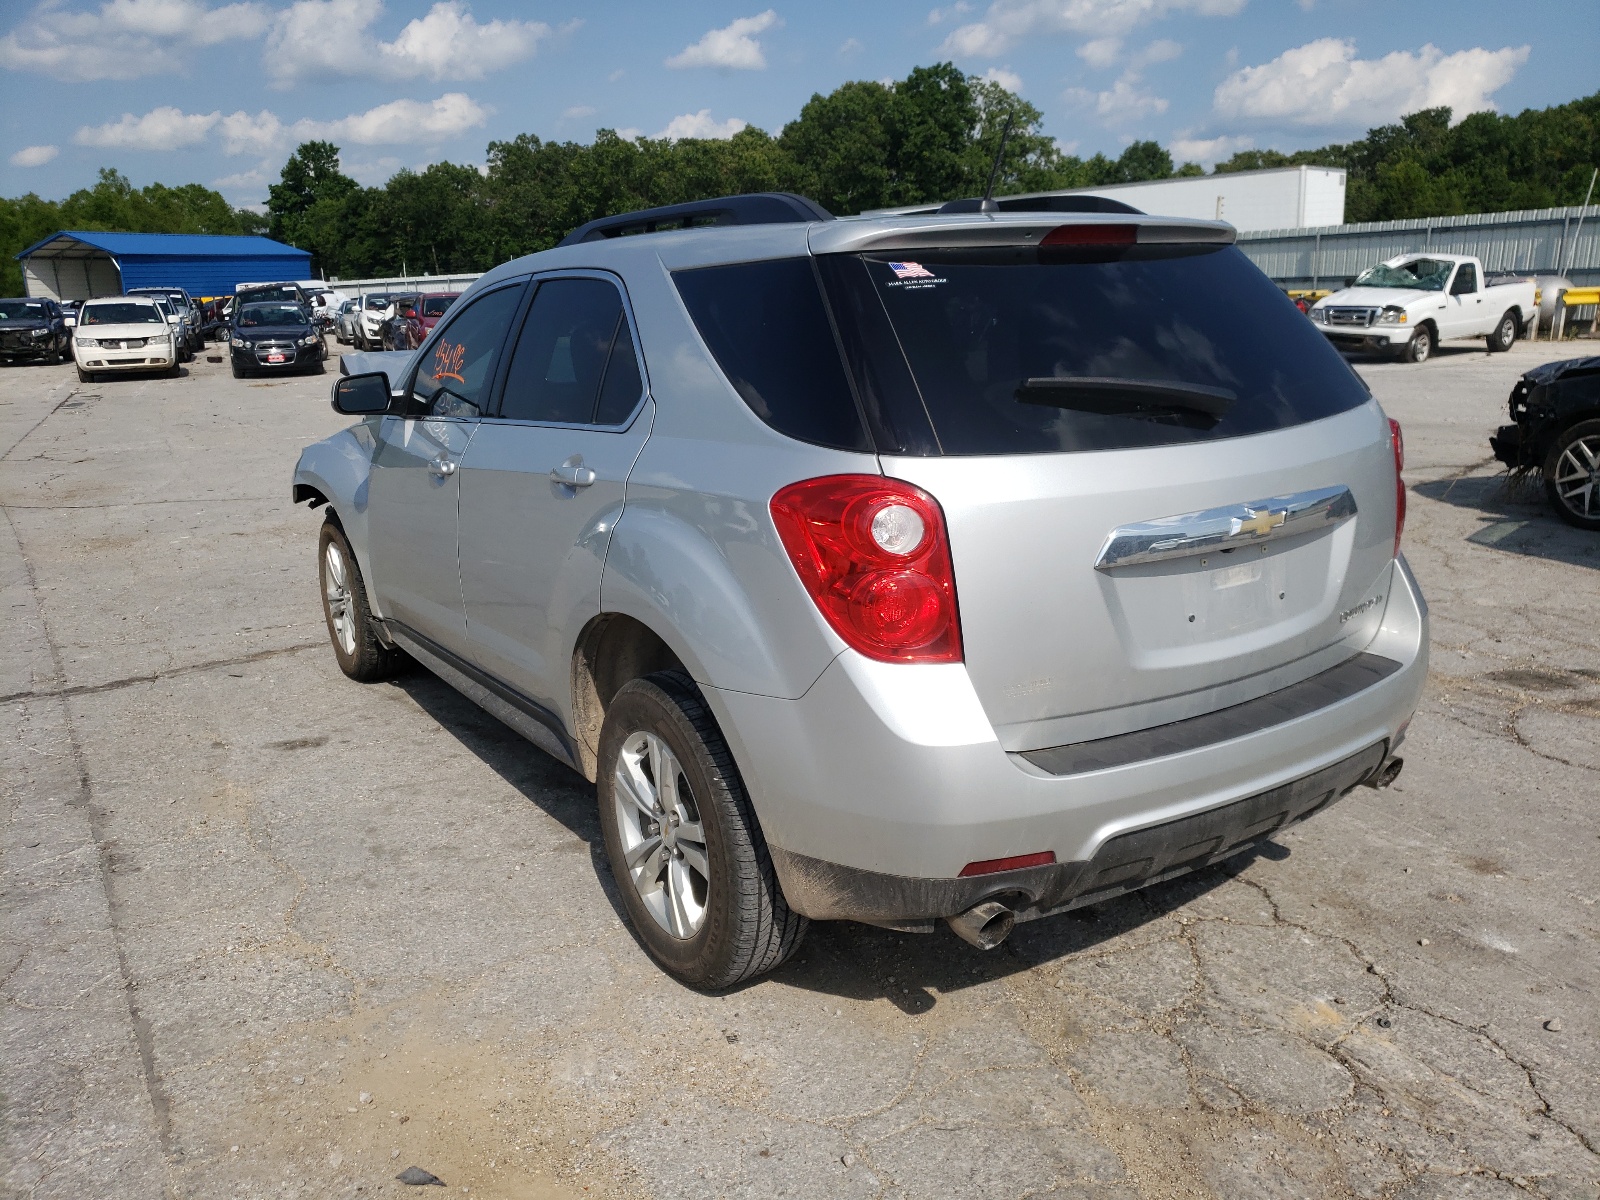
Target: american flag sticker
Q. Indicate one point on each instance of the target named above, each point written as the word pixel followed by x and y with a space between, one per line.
pixel 910 270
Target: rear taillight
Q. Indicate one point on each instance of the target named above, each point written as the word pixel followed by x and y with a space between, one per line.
pixel 1399 483
pixel 874 556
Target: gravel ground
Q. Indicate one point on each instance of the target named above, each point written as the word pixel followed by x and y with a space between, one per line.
pixel 267 932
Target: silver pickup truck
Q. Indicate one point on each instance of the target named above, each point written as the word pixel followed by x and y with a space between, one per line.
pixel 1409 304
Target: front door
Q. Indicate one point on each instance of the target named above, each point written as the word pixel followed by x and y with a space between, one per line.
pixel 542 485
pixel 415 481
pixel 1464 311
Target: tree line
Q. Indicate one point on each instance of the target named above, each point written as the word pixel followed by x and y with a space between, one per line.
pixel 930 136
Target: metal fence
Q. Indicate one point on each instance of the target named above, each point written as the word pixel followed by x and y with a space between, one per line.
pixel 405 283
pixel 1535 241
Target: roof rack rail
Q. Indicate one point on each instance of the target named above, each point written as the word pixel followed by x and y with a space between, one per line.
pixel 1078 204
pixel 755 208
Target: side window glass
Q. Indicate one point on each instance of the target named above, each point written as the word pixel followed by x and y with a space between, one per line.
pixel 622 386
pixel 1466 279
pixel 453 378
pixel 559 370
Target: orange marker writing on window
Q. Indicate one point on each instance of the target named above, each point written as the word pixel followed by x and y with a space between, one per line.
pixel 447 360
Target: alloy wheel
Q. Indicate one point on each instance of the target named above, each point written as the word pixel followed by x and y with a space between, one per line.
pixel 1577 476
pixel 336 587
pixel 663 842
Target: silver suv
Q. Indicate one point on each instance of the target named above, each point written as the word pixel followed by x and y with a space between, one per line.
pixel 966 567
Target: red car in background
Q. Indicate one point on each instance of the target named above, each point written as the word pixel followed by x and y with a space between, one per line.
pixel 432 306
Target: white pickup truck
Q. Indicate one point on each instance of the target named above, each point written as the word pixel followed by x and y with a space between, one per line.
pixel 1407 305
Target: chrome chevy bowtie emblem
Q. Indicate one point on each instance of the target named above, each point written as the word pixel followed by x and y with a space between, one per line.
pixel 1260 522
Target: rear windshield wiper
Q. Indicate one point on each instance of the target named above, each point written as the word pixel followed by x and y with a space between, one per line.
pixel 1149 399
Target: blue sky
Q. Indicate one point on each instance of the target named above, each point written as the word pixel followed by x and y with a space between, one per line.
pixel 220 92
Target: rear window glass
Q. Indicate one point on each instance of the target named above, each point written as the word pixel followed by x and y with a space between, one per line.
pixel 251 295
pixel 765 324
pixel 1031 351
pixel 434 306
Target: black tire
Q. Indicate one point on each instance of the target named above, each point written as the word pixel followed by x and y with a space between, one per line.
pixel 175 370
pixel 1505 333
pixel 238 371
pixel 85 376
pixel 1420 348
pixel 319 367
pixel 361 655
pixel 748 927
pixel 1581 505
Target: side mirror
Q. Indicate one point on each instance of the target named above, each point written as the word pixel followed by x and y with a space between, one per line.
pixel 362 395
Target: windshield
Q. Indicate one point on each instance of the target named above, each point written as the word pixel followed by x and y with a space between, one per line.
pixel 255 295
pixel 377 302
pixel 257 316
pixel 125 313
pixel 1423 274
pixel 435 306
pixel 21 310
pixel 165 306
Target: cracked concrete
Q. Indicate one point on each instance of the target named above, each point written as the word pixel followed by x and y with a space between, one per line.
pixel 269 932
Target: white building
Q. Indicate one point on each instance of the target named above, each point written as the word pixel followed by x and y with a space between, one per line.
pixel 1280 198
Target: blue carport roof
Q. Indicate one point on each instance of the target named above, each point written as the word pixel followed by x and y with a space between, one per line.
pixel 171 245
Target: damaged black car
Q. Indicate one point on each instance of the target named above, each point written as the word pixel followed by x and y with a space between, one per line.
pixel 1556 432
pixel 33 329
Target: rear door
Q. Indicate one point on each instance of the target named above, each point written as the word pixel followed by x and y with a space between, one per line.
pixel 542 485
pixel 1165 491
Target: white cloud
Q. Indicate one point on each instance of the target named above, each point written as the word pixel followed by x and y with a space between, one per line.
pixel 325 38
pixel 1008 22
pixel 1207 151
pixel 253 182
pixel 701 125
pixel 578 112
pixel 940 15
pixel 397 123
pixel 628 132
pixel 733 47
pixel 1101 52
pixel 1324 83
pixel 1125 101
pixel 851 47
pixel 1005 77
pixel 246 134
pixel 164 128
pixel 616 75
pixel 33 156
pixel 124 39
pixel 405 122
pixel 1159 51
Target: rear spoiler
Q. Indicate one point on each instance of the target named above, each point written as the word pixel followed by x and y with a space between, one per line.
pixel 1012 229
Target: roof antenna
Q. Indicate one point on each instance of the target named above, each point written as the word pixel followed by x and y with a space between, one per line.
pixel 989 204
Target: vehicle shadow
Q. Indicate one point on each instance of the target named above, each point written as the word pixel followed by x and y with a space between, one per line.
pixel 911 970
pixel 838 958
pixel 1515 517
pixel 550 786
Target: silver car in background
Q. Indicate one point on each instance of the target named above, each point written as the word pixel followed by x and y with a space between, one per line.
pixel 962 568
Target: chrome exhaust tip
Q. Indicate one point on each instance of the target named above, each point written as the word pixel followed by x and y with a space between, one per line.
pixel 984 925
pixel 1386 774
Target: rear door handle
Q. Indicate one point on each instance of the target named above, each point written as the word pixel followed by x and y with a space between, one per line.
pixel 573 473
pixel 442 467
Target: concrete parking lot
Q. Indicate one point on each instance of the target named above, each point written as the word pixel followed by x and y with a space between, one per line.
pixel 270 933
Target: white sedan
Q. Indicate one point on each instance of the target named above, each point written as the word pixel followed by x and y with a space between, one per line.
pixel 123 333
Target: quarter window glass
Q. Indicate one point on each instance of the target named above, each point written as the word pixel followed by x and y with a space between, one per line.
pixel 459 366
pixel 560 361
pixel 765 325
pixel 622 387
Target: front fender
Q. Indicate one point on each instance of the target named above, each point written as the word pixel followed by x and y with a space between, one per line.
pixel 339 468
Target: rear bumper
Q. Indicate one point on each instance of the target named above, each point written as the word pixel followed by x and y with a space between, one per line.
pixel 882 782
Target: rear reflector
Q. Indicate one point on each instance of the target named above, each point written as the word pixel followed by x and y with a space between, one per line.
pixel 989 866
pixel 1091 235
